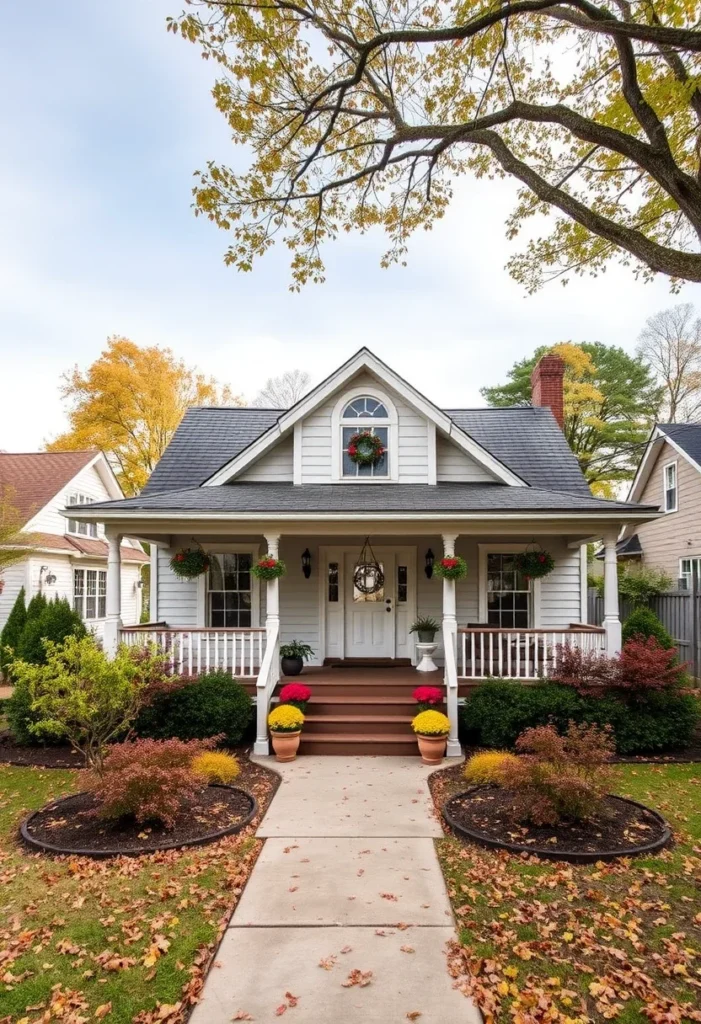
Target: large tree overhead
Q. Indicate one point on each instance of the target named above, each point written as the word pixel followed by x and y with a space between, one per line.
pixel 671 343
pixel 364 112
pixel 611 401
pixel 129 402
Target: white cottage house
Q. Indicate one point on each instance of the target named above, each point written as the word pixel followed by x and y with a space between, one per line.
pixel 68 556
pixel 485 483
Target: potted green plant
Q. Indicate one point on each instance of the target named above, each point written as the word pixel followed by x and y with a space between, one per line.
pixel 426 628
pixel 293 657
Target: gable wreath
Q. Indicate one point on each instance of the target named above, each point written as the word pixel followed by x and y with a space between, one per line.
pixel 365 449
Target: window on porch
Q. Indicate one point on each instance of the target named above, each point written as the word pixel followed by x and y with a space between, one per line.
pixel 229 591
pixel 508 594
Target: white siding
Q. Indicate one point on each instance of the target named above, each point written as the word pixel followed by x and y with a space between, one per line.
pixel 455 466
pixel 14 578
pixel 411 439
pixel 273 467
pixel 560 591
pixel 177 598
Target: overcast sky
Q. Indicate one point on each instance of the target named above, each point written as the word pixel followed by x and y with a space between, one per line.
pixel 105 116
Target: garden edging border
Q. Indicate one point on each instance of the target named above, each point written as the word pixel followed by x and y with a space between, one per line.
pixel 104 854
pixel 573 857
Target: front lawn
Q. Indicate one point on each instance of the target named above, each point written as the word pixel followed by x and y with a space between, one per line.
pixel 123 939
pixel 551 942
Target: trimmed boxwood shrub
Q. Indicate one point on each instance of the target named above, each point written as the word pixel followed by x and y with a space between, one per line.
pixel 211 705
pixel 497 712
pixel 643 622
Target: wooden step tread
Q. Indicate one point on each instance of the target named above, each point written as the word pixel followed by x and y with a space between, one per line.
pixel 357 737
pixel 359 719
pixel 361 701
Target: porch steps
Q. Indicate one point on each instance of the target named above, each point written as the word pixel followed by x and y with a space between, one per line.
pixel 391 707
pixel 365 725
pixel 349 743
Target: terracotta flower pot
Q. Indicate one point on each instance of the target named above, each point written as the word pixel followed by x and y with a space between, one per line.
pixel 286 744
pixel 431 748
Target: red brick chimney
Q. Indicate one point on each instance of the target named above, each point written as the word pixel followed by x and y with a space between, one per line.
pixel 547 386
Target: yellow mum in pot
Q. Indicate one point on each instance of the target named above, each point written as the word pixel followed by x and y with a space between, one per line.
pixel 431 723
pixel 285 718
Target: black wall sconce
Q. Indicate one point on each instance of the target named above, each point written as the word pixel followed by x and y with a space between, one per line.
pixel 430 558
pixel 306 563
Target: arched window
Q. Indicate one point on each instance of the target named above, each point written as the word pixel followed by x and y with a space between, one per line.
pixel 361 414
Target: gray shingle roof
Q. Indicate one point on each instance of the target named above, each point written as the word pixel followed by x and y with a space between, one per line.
pixel 526 440
pixel 687 436
pixel 366 498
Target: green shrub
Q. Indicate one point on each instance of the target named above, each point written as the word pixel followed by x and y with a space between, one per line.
pixel 498 711
pixel 20 716
pixel 12 630
pixel 211 705
pixel 55 622
pixel 36 606
pixel 643 622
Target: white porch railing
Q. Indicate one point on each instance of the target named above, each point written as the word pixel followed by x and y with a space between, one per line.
pixel 195 650
pixel 485 651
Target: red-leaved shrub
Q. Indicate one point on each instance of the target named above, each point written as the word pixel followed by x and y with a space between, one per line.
pixel 643 664
pixel 149 780
pixel 559 777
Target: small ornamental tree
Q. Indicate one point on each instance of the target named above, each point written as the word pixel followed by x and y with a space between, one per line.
pixel 148 780
pixel 558 776
pixel 12 630
pixel 80 696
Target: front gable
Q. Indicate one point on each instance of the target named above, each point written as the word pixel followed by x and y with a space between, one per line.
pixel 316 431
pixel 94 482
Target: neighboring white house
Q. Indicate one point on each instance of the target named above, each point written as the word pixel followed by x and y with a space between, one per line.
pixel 69 558
pixel 485 483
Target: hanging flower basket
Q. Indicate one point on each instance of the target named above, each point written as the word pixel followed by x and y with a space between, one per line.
pixel 269 568
pixel 534 563
pixel 365 449
pixel 452 567
pixel 190 563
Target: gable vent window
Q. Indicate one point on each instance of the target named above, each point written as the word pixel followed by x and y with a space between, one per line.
pixel 670 487
pixel 81 529
pixel 365 414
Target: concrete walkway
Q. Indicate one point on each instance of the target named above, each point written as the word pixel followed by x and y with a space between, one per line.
pixel 347 883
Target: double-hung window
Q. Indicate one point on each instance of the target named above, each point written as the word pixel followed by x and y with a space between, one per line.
pixel 82 529
pixel 687 568
pixel 671 496
pixel 90 593
pixel 508 594
pixel 230 590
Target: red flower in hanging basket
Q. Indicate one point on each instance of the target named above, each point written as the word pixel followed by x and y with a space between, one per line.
pixel 269 568
pixel 190 563
pixel 452 567
pixel 449 563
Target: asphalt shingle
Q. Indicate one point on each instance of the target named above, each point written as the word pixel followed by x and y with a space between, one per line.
pixel 687 436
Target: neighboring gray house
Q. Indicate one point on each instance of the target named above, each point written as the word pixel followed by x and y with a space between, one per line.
pixel 484 483
pixel 669 475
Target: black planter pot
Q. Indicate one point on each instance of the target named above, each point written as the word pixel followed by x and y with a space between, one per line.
pixel 292 666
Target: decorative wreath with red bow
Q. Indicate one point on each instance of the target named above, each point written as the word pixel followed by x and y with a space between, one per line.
pixel 365 449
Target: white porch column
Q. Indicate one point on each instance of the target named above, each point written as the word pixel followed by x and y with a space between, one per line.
pixel 265 686
pixel 113 598
pixel 450 645
pixel 612 622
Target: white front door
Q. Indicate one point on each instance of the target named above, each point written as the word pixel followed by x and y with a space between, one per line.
pixel 369 625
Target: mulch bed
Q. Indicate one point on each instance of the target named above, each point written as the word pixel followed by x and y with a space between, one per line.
pixel 71 824
pixel 59 756
pixel 484 814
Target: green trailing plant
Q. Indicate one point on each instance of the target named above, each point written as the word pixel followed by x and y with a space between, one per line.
pixel 643 623
pixel 197 708
pixel 54 623
pixel 12 630
pixel 452 567
pixel 189 563
pixel 80 696
pixel 268 568
pixel 648 722
pixel 534 563
pixel 296 649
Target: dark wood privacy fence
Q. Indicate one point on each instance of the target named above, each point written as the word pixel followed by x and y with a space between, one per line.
pixel 680 613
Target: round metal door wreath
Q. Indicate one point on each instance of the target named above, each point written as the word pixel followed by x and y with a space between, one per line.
pixel 365 449
pixel 368 577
